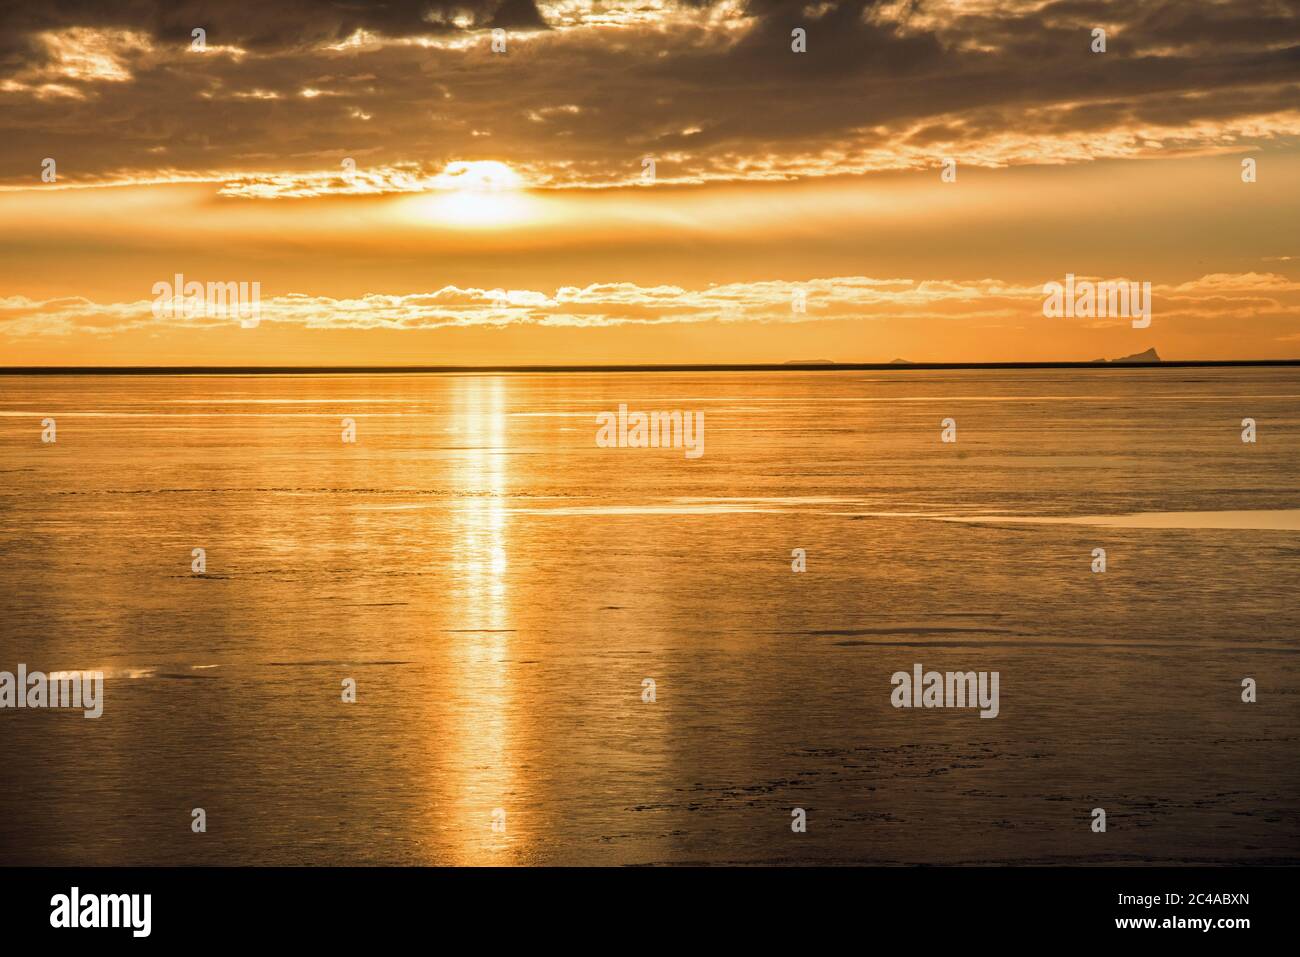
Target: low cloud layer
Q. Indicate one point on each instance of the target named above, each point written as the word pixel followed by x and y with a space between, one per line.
pixel 1222 298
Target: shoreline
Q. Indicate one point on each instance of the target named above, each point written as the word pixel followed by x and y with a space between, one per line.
pixel 668 367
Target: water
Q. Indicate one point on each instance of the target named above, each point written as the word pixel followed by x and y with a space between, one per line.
pixel 498 587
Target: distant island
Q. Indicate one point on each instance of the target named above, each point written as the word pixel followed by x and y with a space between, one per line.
pixel 1148 356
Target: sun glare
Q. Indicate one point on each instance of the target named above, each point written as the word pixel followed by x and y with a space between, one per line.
pixel 483 176
pixel 483 194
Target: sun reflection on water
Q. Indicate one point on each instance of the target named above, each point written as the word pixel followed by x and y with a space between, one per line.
pixel 483 765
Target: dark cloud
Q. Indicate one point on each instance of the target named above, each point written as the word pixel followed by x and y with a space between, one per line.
pixel 267 25
pixel 707 94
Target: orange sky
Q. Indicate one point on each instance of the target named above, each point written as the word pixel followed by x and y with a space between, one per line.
pixel 404 195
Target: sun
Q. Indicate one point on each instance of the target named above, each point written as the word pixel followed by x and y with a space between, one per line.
pixel 480 176
pixel 480 194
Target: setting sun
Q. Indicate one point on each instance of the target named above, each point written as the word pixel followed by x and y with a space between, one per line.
pixel 482 176
pixel 480 194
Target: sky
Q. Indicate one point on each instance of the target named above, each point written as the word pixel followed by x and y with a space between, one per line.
pixel 657 181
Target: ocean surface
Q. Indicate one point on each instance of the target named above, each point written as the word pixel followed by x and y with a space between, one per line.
pixel 499 587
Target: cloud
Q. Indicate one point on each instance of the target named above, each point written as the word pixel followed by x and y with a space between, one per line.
pixel 1217 297
pixel 584 92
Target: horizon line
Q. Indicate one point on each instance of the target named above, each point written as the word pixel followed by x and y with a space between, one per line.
pixel 795 366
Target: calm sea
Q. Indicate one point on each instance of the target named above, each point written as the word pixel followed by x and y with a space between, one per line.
pixel 499 588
